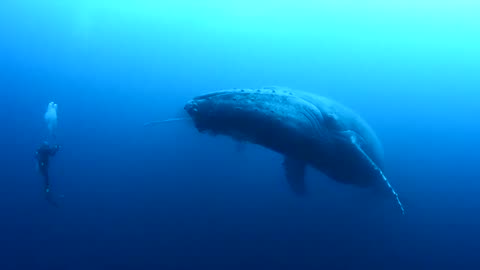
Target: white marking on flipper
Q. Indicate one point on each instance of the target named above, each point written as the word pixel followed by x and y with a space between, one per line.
pixel 354 141
pixel 154 123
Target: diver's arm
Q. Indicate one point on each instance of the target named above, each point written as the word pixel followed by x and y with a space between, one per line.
pixel 53 150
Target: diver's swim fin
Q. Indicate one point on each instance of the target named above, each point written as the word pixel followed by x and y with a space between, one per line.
pixel 50 197
pixel 295 173
pixel 155 123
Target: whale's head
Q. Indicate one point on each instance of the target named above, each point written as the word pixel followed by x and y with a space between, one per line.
pixel 220 112
pixel 203 110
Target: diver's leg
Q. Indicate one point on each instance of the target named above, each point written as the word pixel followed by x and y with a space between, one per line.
pixel 46 179
pixel 48 194
pixel 47 184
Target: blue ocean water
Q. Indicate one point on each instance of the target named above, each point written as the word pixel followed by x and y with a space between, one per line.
pixel 168 197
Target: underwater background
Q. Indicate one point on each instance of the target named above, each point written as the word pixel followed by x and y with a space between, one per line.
pixel 168 197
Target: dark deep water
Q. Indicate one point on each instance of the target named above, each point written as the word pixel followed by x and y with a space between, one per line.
pixel 171 198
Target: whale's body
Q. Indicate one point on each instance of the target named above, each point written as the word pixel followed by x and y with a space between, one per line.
pixel 307 129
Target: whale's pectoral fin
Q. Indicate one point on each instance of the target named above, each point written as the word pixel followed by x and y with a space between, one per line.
pixel 295 173
pixel 355 141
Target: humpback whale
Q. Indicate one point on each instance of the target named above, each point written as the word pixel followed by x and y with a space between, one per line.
pixel 305 128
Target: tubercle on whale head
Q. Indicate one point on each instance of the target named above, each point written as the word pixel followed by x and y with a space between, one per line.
pixel 211 111
pixel 201 107
pixel 197 110
pixel 191 107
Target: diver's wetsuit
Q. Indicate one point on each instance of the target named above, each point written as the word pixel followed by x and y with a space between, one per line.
pixel 43 154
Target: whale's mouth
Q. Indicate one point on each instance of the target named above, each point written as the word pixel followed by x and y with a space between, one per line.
pixel 192 108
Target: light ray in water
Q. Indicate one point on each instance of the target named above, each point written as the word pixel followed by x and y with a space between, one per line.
pixel 154 123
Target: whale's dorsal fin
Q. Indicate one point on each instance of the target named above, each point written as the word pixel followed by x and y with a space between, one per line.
pixel 295 173
pixel 354 140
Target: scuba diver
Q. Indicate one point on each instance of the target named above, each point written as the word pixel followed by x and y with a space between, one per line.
pixel 43 154
pixel 46 150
